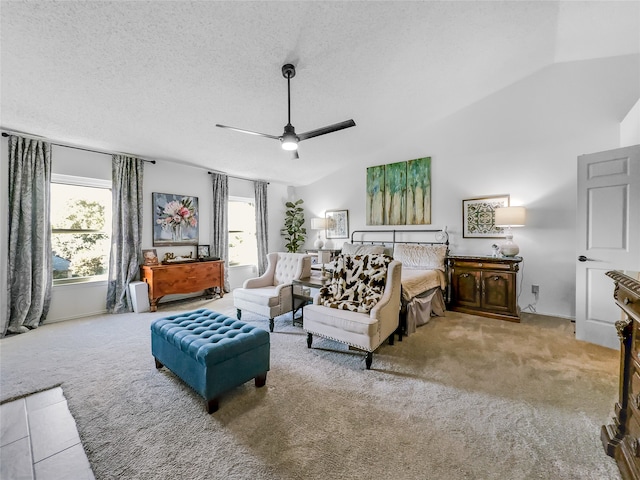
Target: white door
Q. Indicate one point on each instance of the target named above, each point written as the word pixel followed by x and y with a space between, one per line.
pixel 608 238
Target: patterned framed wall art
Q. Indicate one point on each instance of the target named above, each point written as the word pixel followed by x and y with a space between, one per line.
pixel 478 216
pixel 337 223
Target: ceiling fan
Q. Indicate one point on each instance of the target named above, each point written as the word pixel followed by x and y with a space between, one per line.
pixel 289 138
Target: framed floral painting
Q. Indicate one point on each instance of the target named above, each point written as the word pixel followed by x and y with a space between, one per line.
pixel 478 216
pixel 175 219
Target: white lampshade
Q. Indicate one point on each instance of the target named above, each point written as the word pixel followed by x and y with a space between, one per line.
pixel 510 217
pixel 318 223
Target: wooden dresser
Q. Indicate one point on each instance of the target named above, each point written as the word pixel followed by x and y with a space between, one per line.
pixel 182 278
pixel 621 440
pixel 484 286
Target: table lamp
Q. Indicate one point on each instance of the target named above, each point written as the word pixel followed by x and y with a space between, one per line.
pixel 508 217
pixel 318 224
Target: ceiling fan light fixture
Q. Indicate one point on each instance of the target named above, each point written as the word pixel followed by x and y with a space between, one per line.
pixel 289 142
pixel 289 138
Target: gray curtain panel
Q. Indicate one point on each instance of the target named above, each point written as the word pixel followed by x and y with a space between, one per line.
pixel 126 235
pixel 29 273
pixel 262 227
pixel 220 223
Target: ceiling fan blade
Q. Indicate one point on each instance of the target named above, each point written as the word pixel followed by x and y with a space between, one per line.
pixel 328 129
pixel 248 131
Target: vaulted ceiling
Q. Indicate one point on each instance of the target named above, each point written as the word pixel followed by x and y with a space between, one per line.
pixel 154 78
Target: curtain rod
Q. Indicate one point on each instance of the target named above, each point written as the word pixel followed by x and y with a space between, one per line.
pixel 239 178
pixel 6 132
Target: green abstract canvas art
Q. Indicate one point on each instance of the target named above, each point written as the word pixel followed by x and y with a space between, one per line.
pixel 375 195
pixel 419 191
pixel 399 193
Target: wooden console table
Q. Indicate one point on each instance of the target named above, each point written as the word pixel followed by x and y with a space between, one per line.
pixel 621 440
pixel 484 286
pixel 182 278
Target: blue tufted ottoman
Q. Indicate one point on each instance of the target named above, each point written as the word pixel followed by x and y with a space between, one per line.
pixel 210 352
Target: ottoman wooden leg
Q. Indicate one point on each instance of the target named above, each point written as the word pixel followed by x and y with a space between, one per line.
pixel 158 364
pixel 261 380
pixel 212 405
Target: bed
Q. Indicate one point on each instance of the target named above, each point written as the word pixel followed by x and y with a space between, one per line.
pixel 424 278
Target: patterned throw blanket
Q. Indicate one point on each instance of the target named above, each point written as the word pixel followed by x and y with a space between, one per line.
pixel 357 283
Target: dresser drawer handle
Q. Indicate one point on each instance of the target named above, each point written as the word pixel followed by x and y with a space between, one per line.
pixel 638 401
pixel 627 301
pixel 464 275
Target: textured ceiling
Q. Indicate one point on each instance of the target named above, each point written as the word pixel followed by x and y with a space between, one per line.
pixel 153 78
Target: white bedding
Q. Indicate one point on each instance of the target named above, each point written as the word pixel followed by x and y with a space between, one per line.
pixel 415 282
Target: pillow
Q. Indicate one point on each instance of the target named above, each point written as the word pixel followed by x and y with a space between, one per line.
pixel 351 249
pixel 420 257
pixel 357 284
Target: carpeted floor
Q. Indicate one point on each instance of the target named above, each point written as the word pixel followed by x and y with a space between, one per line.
pixel 464 397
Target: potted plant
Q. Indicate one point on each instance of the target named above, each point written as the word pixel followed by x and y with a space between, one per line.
pixel 294 226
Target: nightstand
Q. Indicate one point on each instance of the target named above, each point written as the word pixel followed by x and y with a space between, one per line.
pixel 484 286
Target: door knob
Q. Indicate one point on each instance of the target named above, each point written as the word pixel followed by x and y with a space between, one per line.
pixel 582 258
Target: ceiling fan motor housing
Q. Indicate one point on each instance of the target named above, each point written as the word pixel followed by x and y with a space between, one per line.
pixel 288 71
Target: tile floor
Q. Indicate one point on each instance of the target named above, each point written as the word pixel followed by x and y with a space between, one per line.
pixel 39 440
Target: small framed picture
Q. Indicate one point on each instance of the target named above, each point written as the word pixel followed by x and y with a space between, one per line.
pixel 203 251
pixel 478 216
pixel 150 257
pixel 337 223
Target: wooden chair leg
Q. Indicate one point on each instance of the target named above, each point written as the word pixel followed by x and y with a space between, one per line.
pixel 271 324
pixel 309 340
pixel 368 360
pixel 238 313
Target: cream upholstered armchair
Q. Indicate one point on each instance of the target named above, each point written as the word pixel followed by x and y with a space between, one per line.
pixel 270 295
pixel 361 305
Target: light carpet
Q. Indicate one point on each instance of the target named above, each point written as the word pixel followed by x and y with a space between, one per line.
pixel 464 397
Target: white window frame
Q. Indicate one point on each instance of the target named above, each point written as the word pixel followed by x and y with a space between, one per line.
pixel 82 182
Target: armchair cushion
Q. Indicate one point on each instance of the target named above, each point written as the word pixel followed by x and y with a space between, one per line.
pixel 357 284
pixel 270 294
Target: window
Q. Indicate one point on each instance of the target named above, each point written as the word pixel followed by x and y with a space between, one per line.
pixel 80 228
pixel 243 246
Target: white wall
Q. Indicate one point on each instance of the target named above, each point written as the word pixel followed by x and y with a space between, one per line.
pixel 630 127
pixel 523 141
pixel 79 300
